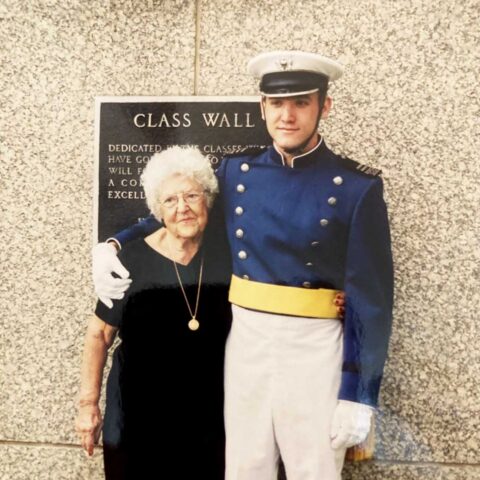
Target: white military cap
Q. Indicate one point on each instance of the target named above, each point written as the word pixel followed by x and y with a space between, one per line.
pixel 286 73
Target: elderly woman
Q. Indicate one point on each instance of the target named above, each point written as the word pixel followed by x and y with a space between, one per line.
pixel 164 405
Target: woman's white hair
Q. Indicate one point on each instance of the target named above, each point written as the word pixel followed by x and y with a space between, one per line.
pixel 177 160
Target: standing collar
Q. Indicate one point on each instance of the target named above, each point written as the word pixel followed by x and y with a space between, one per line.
pixel 298 161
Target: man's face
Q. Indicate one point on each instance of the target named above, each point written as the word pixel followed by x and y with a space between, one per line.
pixel 292 121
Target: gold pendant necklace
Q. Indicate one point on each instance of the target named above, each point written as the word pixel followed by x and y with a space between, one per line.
pixel 193 323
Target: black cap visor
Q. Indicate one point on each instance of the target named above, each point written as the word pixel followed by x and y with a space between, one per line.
pixel 292 83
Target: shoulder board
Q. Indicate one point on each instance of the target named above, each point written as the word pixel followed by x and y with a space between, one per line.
pixel 248 150
pixel 375 172
pixel 366 169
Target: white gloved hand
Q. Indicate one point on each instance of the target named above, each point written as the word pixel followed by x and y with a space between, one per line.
pixel 350 424
pixel 104 262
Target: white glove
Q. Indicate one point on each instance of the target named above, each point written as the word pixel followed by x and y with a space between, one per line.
pixel 350 424
pixel 104 262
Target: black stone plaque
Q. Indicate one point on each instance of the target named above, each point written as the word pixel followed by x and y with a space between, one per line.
pixel 130 130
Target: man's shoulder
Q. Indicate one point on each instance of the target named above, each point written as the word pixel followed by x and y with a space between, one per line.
pixel 357 169
pixel 360 168
pixel 250 152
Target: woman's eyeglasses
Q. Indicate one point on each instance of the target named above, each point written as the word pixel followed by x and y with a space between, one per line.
pixel 190 198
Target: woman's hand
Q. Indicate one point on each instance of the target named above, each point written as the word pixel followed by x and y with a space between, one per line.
pixel 340 304
pixel 88 426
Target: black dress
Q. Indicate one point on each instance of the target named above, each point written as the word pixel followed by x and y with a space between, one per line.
pixel 164 406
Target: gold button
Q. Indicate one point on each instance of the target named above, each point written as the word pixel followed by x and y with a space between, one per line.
pixel 240 188
pixel 239 233
pixel 239 210
pixel 323 222
pixel 242 255
pixel 332 201
pixel 245 167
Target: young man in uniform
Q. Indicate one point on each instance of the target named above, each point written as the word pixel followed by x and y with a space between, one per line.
pixel 303 223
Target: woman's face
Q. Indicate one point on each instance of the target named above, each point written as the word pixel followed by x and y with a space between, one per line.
pixel 183 207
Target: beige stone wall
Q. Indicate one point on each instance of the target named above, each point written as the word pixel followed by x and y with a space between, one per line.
pixel 408 104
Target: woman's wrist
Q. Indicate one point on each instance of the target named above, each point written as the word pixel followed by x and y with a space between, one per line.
pixel 87 402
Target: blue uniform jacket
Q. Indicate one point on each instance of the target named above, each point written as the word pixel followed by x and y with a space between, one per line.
pixel 321 223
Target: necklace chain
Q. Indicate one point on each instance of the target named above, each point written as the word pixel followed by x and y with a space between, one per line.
pixel 193 323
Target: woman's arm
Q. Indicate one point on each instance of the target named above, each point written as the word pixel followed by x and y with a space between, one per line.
pixel 98 339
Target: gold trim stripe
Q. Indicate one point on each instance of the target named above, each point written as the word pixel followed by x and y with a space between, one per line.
pixel 295 301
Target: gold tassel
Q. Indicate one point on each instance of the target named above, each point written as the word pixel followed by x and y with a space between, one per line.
pixel 364 450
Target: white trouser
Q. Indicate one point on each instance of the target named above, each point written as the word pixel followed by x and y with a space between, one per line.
pixel 282 376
